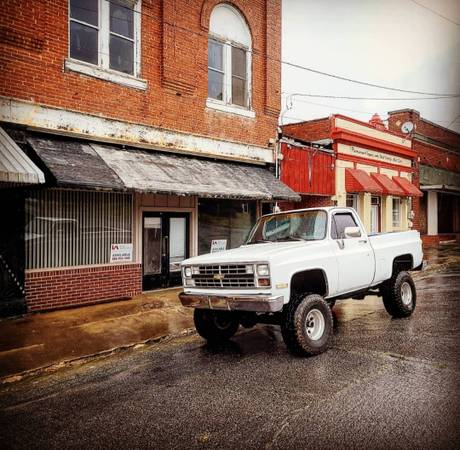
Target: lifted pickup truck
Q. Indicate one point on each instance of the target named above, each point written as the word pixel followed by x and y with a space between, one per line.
pixel 291 270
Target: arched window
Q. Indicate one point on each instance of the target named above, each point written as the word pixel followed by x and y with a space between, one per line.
pixel 229 58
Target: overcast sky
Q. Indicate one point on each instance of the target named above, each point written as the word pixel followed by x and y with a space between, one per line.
pixel 394 43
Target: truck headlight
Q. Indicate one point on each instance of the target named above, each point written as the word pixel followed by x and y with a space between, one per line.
pixel 263 270
pixel 188 272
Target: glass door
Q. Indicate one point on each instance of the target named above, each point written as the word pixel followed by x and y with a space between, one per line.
pixel 164 246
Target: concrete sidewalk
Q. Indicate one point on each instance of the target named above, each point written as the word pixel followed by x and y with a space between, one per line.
pixel 37 341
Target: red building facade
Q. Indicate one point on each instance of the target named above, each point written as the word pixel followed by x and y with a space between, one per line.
pixel 363 165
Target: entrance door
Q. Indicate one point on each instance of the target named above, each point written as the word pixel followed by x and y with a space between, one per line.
pixel 375 214
pixel 165 244
pixel 12 256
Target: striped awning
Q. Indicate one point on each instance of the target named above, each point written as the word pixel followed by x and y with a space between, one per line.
pixel 15 166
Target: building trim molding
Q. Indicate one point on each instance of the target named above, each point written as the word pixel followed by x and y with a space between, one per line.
pixel 87 126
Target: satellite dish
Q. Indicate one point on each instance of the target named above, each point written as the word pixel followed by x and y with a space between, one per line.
pixel 407 127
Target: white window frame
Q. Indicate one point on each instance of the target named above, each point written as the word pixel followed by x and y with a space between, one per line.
pixel 354 198
pixel 397 201
pixel 226 105
pixel 102 70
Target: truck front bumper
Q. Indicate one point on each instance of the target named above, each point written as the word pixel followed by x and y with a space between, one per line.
pixel 254 303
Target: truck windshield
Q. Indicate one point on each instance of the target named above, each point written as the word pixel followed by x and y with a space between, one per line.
pixel 295 226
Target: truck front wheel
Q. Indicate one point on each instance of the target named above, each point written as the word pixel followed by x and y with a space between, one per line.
pixel 399 295
pixel 215 326
pixel 307 325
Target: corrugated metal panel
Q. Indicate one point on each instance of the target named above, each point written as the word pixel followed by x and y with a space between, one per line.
pixel 161 173
pixel 308 170
pixel 15 165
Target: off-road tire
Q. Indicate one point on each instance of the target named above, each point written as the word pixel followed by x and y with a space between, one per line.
pixel 215 326
pixel 396 299
pixel 294 325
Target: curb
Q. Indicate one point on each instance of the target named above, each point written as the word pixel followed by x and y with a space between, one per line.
pixel 51 368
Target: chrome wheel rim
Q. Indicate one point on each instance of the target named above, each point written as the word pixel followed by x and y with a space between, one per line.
pixel 315 324
pixel 406 293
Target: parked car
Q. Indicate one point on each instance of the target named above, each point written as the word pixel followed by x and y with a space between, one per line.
pixel 292 269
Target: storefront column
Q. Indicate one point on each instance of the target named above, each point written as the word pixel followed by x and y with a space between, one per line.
pixel 404 214
pixel 364 209
pixel 387 213
pixel 432 213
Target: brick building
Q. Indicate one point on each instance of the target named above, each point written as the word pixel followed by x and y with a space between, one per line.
pixel 437 213
pixel 139 131
pixel 347 162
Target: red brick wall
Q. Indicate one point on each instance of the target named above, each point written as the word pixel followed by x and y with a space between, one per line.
pixel 311 130
pixel 34 45
pixel 308 201
pixel 60 288
pixel 431 155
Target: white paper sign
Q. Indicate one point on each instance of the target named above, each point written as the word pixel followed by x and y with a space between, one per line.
pixel 218 245
pixel 121 253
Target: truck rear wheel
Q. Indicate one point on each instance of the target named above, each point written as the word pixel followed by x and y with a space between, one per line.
pixel 399 295
pixel 307 325
pixel 215 326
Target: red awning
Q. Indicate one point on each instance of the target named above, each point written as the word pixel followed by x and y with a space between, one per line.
pixel 357 180
pixel 410 189
pixel 388 185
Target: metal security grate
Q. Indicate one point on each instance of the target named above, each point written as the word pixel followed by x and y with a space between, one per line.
pixel 224 276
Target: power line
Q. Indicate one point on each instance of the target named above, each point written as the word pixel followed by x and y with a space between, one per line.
pixel 368 98
pixel 436 13
pixel 337 107
pixel 297 66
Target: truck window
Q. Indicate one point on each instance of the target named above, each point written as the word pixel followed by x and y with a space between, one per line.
pixel 339 222
pixel 307 225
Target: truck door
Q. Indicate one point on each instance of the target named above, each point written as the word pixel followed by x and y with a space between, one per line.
pixel 355 257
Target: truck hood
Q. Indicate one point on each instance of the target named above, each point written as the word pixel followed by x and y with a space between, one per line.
pixel 253 253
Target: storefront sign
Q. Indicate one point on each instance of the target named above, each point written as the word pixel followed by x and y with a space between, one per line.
pixel 218 245
pixel 152 222
pixel 372 154
pixel 121 253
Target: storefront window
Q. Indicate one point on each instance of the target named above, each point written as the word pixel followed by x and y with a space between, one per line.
pixel 73 228
pixel 352 201
pixel 224 219
pixel 396 212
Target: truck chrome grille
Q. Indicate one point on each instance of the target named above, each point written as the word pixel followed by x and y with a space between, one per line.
pixel 224 276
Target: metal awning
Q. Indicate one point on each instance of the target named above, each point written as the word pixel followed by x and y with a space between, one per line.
pixel 15 166
pixel 410 189
pixel 75 163
pixel 388 185
pixel 357 180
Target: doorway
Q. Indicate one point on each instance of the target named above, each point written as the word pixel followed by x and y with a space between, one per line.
pixel 165 244
pixel 375 214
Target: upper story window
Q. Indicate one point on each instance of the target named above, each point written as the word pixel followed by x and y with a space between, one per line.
pixel 229 58
pixel 105 33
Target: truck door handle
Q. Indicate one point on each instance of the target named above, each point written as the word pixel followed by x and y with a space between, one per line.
pixel 363 241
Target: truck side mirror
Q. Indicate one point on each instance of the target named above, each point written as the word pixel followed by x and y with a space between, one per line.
pixel 352 232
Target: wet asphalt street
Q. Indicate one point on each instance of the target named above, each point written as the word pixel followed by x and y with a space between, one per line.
pixel 385 383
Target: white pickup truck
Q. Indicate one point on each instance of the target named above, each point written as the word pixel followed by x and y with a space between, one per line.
pixel 291 270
